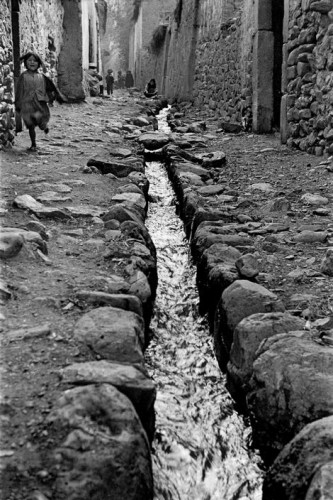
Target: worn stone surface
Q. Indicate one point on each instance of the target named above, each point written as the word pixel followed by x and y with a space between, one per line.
pixel 104 444
pixel 135 384
pixel 241 299
pixel 112 333
pixel 291 386
pixel 293 473
pixel 248 335
pixel 120 301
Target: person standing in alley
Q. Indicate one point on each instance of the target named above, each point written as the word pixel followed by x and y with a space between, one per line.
pixel 109 82
pixel 120 81
pixel 33 93
pixel 129 80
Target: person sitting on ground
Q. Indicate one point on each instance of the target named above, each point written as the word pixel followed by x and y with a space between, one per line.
pixel 150 89
pixel 129 80
pixel 109 82
pixel 34 91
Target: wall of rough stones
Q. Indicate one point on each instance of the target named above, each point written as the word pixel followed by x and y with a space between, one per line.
pixel 223 70
pixel 46 18
pixel 309 76
pixel 210 58
pixel 6 77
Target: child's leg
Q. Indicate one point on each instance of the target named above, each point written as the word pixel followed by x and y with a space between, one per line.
pixel 32 134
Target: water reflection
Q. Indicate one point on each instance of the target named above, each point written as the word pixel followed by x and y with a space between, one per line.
pixel 201 446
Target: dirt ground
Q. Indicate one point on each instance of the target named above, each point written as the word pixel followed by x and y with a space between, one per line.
pixel 43 290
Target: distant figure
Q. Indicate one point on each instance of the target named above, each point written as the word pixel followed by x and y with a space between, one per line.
pixel 94 81
pixel 109 82
pixel 150 89
pixel 33 93
pixel 129 80
pixel 120 81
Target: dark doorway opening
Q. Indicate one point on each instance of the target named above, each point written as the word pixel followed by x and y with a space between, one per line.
pixel 277 23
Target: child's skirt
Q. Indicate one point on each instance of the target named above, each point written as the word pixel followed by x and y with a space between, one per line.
pixel 35 113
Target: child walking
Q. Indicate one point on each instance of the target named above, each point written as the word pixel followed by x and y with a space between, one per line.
pixel 34 90
pixel 109 82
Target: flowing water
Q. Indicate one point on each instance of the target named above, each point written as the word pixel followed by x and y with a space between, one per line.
pixel 202 446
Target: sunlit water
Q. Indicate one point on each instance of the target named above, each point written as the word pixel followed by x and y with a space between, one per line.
pixel 201 449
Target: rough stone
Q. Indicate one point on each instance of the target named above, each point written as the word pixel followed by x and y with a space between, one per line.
pixel 291 386
pixel 10 244
pixel 135 384
pixel 248 335
pixel 104 445
pixel 113 334
pixel 295 469
pixel 154 140
pixel 121 301
pixel 239 300
pixel 326 266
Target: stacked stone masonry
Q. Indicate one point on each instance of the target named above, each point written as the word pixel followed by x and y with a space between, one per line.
pixel 6 77
pixel 310 77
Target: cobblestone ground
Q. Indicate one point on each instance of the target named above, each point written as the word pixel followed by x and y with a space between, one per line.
pixel 42 289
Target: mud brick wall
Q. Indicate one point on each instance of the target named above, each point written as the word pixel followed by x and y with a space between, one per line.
pixel 6 77
pixel 309 75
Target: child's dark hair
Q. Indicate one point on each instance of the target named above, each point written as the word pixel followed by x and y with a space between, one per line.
pixel 29 54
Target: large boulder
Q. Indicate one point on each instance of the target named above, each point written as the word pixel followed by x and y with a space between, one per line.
pixel 104 451
pixel 239 300
pixel 248 335
pixel 303 465
pixel 112 334
pixel 291 386
pixel 129 380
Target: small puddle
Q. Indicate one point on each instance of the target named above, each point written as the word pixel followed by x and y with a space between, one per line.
pixel 202 447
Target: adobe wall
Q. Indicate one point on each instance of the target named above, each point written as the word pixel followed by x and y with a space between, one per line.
pixel 308 76
pixel 6 77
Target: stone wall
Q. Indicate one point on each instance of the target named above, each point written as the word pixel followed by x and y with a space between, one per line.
pixel 223 77
pixel 309 76
pixel 6 77
pixel 41 30
pixel 210 58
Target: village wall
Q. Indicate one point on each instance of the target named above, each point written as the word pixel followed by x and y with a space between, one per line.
pixel 149 34
pixel 6 77
pixel 41 31
pixel 224 57
pixel 308 76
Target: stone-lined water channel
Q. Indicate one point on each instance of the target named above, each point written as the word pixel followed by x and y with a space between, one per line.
pixel 202 447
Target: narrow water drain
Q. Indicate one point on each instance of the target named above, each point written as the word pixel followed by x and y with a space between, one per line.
pixel 201 448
